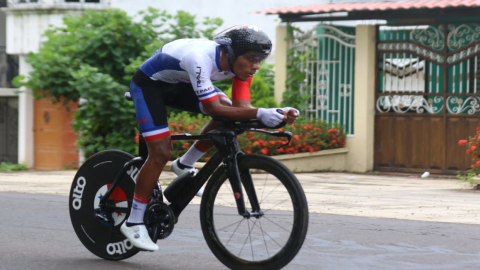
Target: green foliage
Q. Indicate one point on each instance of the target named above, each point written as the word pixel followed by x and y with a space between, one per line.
pixel 10 167
pixel 267 72
pixel 93 56
pixel 292 97
pixel 106 120
pixel 105 40
pixel 470 178
pixel 473 149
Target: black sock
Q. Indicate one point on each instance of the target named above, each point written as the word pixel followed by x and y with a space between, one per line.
pixel 130 224
pixel 182 166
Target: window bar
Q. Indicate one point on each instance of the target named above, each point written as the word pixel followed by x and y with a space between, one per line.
pixel 430 77
pixel 417 75
pixel 334 78
pixel 315 79
pixel 438 78
pixel 405 64
pixel 352 58
pixel 475 74
pixel 327 80
pixel 391 63
pixel 398 67
pixel 468 74
pixel 410 76
pixel 344 61
pixel 453 80
pixel 460 78
pixel 312 108
pixel 384 55
pixel 322 69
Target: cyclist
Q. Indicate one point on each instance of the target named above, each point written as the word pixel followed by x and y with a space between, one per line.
pixel 180 75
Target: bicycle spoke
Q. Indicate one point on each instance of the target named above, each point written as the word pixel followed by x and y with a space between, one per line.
pixel 250 236
pixel 246 239
pixel 221 229
pixel 256 241
pixel 276 224
pixel 264 240
pixel 272 208
pixel 234 232
pixel 270 193
pixel 273 239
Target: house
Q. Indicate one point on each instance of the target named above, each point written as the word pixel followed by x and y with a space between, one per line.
pixel 41 131
pixel 413 92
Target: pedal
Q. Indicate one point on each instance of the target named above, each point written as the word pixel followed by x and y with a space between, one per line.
pixel 159 220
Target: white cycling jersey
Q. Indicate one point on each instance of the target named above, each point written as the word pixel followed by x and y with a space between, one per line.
pixel 188 60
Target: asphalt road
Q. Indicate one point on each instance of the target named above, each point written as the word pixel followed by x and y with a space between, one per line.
pixel 36 233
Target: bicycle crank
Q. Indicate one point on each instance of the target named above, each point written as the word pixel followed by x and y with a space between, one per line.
pixel 159 220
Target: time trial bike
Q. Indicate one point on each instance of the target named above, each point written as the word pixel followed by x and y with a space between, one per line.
pixel 253 212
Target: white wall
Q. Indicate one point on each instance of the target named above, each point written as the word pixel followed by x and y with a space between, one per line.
pixel 232 12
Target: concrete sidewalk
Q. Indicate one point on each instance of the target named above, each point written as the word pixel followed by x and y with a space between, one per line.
pixel 376 196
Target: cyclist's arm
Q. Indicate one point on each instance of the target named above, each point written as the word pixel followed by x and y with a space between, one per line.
pixel 199 68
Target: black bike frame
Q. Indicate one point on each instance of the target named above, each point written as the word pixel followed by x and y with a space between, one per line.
pixel 227 152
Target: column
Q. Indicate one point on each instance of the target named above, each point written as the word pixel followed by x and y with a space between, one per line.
pixel 281 49
pixel 361 145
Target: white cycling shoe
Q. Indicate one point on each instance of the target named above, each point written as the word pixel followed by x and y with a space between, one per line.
pixel 174 167
pixel 138 236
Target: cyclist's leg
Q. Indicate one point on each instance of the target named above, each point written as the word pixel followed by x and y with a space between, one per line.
pixel 152 119
pixel 190 102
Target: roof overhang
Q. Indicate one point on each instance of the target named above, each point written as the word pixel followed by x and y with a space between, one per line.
pixel 401 10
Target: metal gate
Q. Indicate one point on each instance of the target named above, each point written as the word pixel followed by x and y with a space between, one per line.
pixel 427 96
pixel 328 58
pixel 9 129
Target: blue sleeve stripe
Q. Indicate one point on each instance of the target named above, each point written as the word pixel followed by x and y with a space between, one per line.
pixel 206 94
pixel 159 62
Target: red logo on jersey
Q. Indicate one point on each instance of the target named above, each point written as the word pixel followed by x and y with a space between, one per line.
pixel 143 120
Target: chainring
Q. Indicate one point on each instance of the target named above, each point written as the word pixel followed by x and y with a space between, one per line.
pixel 159 220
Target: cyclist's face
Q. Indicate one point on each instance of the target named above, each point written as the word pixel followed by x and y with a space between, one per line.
pixel 247 64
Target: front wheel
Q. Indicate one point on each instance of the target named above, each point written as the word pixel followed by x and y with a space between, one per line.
pixel 268 240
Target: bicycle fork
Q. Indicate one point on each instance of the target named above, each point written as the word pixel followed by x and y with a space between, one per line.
pixel 238 179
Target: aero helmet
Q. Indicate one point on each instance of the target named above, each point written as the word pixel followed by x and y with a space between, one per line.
pixel 240 39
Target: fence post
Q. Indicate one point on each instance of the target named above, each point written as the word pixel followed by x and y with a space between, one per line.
pixel 281 49
pixel 361 145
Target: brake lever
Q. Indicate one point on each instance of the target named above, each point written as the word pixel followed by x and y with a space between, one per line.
pixel 289 136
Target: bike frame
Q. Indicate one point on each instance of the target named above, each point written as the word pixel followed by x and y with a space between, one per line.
pixel 227 152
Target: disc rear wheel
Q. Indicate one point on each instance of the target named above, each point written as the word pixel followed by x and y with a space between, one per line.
pixel 99 230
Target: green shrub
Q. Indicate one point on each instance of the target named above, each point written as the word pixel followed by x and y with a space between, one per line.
pixel 9 167
pixel 473 149
pixel 93 56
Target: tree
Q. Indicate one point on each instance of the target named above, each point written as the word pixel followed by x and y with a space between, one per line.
pixel 93 57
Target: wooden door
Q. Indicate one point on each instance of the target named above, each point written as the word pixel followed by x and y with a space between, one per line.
pixel 54 138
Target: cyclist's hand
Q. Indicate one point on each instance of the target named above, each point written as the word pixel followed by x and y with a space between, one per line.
pixel 291 114
pixel 271 117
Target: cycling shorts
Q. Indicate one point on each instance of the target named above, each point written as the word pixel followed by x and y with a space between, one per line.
pixel 151 98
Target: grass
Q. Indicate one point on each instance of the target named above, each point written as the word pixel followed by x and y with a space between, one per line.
pixel 10 167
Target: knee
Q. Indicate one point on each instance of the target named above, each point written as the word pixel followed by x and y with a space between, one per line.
pixel 159 154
